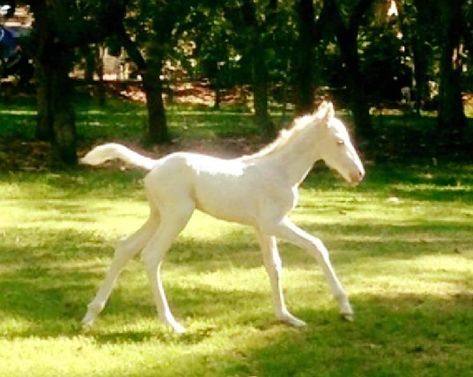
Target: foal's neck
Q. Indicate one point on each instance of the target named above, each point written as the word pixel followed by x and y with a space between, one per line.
pixel 298 154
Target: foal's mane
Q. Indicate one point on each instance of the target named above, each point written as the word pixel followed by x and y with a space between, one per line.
pixel 285 135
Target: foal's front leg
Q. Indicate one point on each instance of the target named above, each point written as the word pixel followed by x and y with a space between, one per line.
pixel 290 232
pixel 273 265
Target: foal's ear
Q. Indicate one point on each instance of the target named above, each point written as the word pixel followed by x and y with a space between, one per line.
pixel 325 112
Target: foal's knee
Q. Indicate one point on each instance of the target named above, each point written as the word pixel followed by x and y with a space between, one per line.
pixel 151 260
pixel 320 251
pixel 273 264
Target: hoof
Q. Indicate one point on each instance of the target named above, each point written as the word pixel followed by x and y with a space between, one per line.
pixel 346 311
pixel 292 320
pixel 88 320
pixel 176 327
pixel 87 324
pixel 179 329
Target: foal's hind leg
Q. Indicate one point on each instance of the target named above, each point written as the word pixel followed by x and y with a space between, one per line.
pixel 173 220
pixel 125 250
pixel 272 263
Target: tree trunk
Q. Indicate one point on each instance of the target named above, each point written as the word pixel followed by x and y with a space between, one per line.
pixel 421 61
pixel 64 128
pixel 259 69
pixel 358 102
pixel 347 36
pixel 150 70
pixel 260 93
pixel 88 53
pixel 56 120
pixel 100 86
pixel 55 34
pixel 44 129
pixel 451 117
pixel 304 58
pixel 157 124
pixel 218 91
pixel 421 52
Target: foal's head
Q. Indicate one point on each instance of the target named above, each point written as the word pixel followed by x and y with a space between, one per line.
pixel 336 148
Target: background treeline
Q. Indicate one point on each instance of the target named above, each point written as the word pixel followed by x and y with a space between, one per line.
pixel 360 53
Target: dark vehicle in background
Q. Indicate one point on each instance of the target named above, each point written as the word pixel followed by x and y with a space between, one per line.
pixel 13 59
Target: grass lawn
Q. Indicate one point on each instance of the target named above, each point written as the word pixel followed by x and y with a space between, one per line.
pixel 401 243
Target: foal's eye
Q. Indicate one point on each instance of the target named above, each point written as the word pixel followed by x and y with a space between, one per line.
pixel 340 142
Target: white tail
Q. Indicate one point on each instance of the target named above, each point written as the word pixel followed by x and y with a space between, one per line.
pixel 111 151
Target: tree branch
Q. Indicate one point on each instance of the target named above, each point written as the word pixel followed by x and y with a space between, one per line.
pixel 131 49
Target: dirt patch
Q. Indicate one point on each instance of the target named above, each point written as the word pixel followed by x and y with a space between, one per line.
pixel 24 155
pixel 195 93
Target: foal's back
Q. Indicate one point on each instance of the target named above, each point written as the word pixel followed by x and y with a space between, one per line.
pixel 224 188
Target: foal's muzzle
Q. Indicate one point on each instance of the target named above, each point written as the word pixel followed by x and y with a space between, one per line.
pixel 357 177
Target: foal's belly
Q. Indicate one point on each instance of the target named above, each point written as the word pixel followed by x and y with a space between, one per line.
pixel 228 200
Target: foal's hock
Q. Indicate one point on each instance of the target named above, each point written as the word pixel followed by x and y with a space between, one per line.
pixel 258 190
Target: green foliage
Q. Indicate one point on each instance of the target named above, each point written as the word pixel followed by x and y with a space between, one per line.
pixel 382 61
pixel 215 47
pixel 157 26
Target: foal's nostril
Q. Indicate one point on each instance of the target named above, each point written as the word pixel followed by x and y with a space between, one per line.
pixel 356 177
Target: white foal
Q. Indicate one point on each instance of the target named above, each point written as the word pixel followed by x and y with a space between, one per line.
pixel 257 190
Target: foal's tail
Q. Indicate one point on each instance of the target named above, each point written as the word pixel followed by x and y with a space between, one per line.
pixel 111 151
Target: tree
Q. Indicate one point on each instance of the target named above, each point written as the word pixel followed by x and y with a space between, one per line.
pixel 215 55
pixel 252 20
pixel 155 27
pixel 347 21
pixel 59 27
pixel 258 50
pixel 451 117
pixel 311 32
pixel 421 36
pixel 157 130
pixel 304 57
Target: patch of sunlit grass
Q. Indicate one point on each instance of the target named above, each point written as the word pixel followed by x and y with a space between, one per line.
pixel 401 244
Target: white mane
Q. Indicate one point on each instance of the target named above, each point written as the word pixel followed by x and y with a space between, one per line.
pixel 285 135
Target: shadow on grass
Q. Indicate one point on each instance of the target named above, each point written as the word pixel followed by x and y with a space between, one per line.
pixel 44 276
pixel 406 335
pixel 50 276
pixel 393 335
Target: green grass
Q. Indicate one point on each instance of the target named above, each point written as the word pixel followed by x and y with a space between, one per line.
pixel 127 120
pixel 401 244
